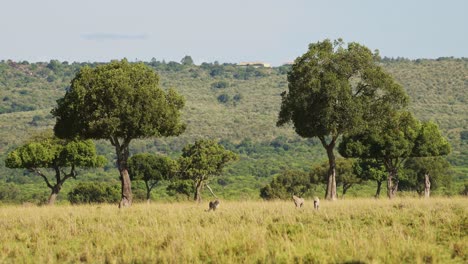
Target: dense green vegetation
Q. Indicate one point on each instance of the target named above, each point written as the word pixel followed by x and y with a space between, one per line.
pixel 236 105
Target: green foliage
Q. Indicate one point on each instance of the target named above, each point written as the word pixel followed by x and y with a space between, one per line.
pixel 371 170
pixel 202 160
pixel 181 187
pixel 430 142
pixel 46 152
pixel 335 90
pixel 224 98
pixel 437 89
pixel 287 184
pixel 151 169
pixel 398 138
pixel 148 167
pixel 50 152
pixel 187 61
pixel 94 193
pixel 346 175
pixel 220 85
pixel 118 100
pixel 437 168
pixel 9 192
pixel 391 142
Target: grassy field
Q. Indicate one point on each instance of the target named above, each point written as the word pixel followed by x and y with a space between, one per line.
pixel 345 231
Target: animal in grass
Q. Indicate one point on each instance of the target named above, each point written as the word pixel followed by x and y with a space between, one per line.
pixel 213 205
pixel 298 201
pixel 316 203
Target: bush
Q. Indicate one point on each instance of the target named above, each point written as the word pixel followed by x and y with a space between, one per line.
pixel 286 184
pixel 94 193
pixel 181 187
pixel 220 85
pixel 224 98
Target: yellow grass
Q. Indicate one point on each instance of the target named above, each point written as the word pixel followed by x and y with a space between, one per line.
pixel 353 231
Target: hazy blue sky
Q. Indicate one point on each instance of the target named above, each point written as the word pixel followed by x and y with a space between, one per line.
pixel 227 31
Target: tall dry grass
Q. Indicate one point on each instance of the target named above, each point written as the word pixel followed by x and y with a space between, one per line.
pixel 353 231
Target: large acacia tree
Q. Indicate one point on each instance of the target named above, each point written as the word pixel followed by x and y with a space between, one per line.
pixel 336 90
pixel 119 102
pixel 203 160
pixel 52 154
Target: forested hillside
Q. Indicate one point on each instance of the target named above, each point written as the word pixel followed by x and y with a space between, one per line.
pixel 237 105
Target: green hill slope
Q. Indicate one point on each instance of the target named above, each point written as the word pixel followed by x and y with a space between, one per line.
pixel 236 104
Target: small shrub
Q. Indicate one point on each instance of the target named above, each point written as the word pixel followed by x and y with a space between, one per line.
pixel 220 85
pixel 223 98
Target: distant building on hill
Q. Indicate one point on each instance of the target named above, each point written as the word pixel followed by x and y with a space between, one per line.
pixel 255 64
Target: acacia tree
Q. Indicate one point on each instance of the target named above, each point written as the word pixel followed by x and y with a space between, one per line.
pixel 201 161
pixel 151 169
pixel 119 102
pixel 336 90
pixel 57 155
pixel 399 137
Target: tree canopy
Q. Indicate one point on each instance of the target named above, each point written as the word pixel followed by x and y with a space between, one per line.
pixel 287 184
pixel 151 169
pixel 346 174
pixel 201 161
pixel 397 138
pixel 119 102
pixel 55 154
pixel 426 174
pixel 336 90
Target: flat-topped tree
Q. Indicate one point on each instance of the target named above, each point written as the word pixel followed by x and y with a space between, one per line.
pixel 336 90
pixel 119 102
pixel 50 153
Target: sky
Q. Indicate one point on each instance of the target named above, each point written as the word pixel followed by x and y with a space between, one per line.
pixel 233 31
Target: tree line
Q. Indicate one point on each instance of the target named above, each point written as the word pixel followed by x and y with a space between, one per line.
pixel 335 92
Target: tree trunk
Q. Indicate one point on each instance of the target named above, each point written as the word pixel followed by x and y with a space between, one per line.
pixel 122 158
pixel 345 189
pixel 198 189
pixel 331 183
pixel 53 195
pixel 427 185
pixel 148 192
pixel 392 184
pixel 126 188
pixel 379 187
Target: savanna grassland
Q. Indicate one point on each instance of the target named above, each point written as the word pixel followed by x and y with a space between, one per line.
pixel 345 231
